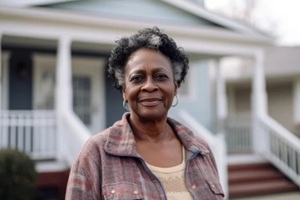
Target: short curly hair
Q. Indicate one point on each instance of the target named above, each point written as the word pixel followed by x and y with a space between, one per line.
pixel 150 38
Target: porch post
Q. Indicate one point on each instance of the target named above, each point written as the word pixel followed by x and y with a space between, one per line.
pixel 63 92
pixel 259 103
pixel 296 102
pixel 63 97
pixel 222 108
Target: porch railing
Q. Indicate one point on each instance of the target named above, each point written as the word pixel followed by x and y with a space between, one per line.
pixel 216 143
pixel 281 147
pixel 33 132
pixel 238 134
pixel 73 135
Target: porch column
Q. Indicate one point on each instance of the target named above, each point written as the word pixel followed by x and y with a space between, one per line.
pixel 296 102
pixel 63 97
pixel 259 102
pixel 221 101
pixel 63 92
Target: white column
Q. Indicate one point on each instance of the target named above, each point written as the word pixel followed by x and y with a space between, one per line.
pixel 297 101
pixel 63 92
pixel 221 101
pixel 259 102
pixel 63 97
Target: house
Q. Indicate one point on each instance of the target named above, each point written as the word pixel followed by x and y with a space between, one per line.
pixel 282 81
pixel 54 92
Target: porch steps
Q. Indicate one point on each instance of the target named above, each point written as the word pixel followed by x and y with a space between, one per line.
pixel 257 179
pixel 52 185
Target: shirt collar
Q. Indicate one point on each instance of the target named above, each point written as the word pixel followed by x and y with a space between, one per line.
pixel 121 140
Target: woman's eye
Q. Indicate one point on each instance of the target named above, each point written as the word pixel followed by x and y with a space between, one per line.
pixel 161 77
pixel 136 79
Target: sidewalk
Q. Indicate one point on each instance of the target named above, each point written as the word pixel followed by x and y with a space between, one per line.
pixel 282 196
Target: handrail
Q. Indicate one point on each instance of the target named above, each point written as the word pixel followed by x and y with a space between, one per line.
pixel 73 135
pixel 216 143
pixel 282 148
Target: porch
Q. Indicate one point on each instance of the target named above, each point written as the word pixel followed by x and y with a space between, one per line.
pixel 57 135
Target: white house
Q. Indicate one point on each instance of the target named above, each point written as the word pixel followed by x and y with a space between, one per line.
pixel 54 93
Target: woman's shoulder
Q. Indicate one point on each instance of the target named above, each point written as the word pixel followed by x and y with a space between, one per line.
pixel 187 135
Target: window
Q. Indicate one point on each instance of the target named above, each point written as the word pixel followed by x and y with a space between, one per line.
pixel 82 98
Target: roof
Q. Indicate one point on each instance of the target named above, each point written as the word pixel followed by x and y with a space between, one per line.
pixel 193 8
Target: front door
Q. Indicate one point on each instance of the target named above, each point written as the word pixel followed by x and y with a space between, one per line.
pixel 20 80
pixel 88 102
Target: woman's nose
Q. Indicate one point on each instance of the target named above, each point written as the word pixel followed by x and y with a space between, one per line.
pixel 149 85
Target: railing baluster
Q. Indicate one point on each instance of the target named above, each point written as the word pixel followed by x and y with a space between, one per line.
pixel 30 131
pixel 284 148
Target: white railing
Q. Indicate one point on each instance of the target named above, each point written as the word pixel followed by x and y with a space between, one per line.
pixel 281 147
pixel 238 134
pixel 33 132
pixel 73 135
pixel 215 142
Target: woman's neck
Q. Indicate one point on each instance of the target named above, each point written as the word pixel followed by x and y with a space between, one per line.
pixel 152 131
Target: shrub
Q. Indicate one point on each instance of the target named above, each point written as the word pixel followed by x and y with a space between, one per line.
pixel 17 175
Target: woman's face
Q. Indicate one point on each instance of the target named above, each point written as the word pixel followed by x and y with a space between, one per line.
pixel 149 85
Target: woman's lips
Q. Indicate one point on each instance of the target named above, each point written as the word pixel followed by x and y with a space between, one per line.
pixel 150 102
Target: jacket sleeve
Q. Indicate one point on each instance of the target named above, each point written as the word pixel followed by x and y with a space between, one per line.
pixel 85 176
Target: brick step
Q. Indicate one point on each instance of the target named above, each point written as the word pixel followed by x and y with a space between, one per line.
pixel 256 179
pixel 261 188
pixel 52 185
pixel 253 175
pixel 252 166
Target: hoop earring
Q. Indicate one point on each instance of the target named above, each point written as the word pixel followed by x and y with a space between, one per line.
pixel 125 105
pixel 173 105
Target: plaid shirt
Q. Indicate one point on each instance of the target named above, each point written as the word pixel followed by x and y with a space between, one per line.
pixel 109 167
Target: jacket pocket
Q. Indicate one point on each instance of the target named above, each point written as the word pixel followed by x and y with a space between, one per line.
pixel 215 186
pixel 122 191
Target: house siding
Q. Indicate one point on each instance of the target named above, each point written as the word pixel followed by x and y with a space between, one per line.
pixel 198 104
pixel 144 10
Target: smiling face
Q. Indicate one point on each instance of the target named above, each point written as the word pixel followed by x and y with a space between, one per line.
pixel 149 85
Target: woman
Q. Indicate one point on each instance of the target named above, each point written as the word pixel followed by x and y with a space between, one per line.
pixel 146 155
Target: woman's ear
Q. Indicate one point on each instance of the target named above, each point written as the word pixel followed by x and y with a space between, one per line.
pixel 123 93
pixel 176 88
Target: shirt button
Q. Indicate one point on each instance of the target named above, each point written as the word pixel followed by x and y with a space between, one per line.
pixel 193 187
pixel 135 192
pixel 213 186
pixel 113 191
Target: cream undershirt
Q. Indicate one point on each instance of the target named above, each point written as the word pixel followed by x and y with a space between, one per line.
pixel 172 179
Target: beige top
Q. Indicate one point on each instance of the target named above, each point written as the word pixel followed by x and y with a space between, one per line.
pixel 172 179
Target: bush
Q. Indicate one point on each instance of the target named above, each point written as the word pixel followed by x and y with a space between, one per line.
pixel 17 175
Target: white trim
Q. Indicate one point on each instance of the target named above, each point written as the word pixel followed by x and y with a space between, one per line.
pixel 191 85
pixel 121 26
pixel 22 3
pixel 51 166
pixel 43 63
pixel 197 10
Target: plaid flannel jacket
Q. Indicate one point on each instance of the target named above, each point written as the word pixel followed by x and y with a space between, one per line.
pixel 109 167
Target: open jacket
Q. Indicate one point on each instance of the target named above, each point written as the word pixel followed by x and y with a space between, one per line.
pixel 109 167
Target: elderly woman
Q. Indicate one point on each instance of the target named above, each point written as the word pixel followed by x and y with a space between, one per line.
pixel 146 155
